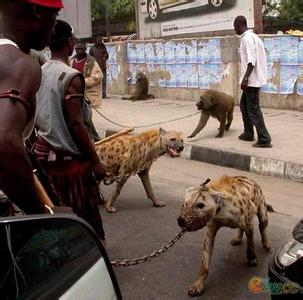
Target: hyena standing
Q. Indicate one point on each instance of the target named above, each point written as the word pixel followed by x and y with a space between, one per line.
pixel 227 201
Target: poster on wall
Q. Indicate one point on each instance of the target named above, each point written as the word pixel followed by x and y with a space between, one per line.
pixel 159 18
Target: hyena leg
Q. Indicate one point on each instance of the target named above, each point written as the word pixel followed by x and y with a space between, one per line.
pixel 251 253
pixel 144 176
pixel 237 240
pixel 208 245
pixel 263 222
pixel 229 120
pixel 109 206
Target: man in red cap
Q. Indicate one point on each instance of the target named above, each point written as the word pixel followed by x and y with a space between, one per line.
pixel 24 24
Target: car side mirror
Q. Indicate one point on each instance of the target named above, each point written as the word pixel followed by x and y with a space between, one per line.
pixel 53 257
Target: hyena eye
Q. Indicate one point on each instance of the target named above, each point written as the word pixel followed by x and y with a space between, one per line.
pixel 200 205
pixel 172 139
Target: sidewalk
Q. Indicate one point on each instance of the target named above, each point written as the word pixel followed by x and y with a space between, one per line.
pixel 284 160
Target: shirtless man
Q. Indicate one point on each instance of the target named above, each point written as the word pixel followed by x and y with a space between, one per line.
pixel 24 24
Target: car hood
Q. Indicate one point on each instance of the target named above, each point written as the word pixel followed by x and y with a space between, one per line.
pixel 298 232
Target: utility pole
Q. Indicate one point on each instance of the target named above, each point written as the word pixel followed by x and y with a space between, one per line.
pixel 107 18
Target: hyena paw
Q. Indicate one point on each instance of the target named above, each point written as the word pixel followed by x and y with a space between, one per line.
pixel 111 209
pixel 196 289
pixel 159 204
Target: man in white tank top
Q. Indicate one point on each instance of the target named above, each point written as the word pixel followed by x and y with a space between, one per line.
pixel 24 24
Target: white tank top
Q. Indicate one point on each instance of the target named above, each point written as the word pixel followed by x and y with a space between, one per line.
pixel 8 42
pixel 30 125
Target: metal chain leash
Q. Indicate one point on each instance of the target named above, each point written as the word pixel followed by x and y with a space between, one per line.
pixel 147 125
pixel 136 261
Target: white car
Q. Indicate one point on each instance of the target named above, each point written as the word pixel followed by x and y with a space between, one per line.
pixel 154 8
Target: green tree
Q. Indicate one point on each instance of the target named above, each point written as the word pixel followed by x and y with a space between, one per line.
pixel 288 14
pixel 118 9
pixel 291 10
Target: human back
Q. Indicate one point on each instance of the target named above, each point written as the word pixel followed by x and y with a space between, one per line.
pixel 252 50
pixel 50 116
pixel 24 24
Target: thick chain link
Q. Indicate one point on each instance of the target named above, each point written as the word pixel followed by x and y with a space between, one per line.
pixel 136 261
pixel 147 125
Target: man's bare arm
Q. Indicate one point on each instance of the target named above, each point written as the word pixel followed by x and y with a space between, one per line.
pixel 16 175
pixel 77 128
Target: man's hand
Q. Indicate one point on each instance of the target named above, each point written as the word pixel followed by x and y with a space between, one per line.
pixel 98 171
pixel 244 83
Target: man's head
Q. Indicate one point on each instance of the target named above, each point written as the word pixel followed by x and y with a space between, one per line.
pixel 29 22
pixel 99 40
pixel 62 38
pixel 240 24
pixel 80 49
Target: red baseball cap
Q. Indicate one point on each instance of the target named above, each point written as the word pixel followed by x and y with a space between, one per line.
pixel 46 3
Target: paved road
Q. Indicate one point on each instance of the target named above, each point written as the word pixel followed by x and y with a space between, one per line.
pixel 138 229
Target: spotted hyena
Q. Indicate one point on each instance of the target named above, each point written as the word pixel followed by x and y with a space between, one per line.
pixel 230 201
pixel 129 153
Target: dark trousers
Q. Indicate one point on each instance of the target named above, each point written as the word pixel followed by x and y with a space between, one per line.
pixel 104 84
pixel 252 115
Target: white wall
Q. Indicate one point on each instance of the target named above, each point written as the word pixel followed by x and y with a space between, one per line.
pixel 78 14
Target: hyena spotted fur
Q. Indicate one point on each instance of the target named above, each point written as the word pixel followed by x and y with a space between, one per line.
pixel 230 201
pixel 131 153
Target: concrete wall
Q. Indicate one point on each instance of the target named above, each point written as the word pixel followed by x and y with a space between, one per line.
pixel 176 71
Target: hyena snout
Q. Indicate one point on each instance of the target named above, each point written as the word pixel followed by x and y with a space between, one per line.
pixel 181 222
pixel 190 222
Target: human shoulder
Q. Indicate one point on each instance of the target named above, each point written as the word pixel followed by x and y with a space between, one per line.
pixel 23 71
pixel 89 57
pixel 24 62
pixel 76 84
pixel 249 38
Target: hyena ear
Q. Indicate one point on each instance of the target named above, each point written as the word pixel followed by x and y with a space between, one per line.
pixel 203 185
pixel 161 131
pixel 218 197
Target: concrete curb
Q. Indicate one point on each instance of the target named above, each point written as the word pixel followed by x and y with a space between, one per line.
pixel 258 165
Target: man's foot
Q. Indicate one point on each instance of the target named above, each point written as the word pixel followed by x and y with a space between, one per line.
pixel 243 137
pixel 262 145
